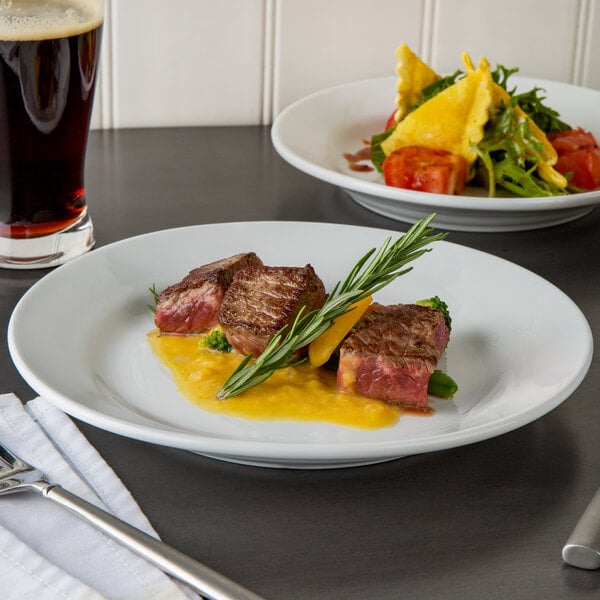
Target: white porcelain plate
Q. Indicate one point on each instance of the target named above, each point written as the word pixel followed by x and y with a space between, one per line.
pixel 314 133
pixel 519 346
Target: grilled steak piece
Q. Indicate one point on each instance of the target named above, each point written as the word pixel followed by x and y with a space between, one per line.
pixel 261 300
pixel 392 354
pixel 192 305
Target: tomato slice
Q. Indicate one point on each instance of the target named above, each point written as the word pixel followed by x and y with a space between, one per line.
pixel 582 168
pixel 578 157
pixel 572 141
pixel 425 170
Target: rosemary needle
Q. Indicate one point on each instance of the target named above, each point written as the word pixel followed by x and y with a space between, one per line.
pixel 373 271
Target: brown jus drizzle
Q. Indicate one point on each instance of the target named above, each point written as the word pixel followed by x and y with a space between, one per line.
pixel 355 160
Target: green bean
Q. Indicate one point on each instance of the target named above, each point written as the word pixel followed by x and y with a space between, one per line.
pixel 441 385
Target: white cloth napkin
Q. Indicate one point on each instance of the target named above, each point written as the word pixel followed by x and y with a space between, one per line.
pixel 45 551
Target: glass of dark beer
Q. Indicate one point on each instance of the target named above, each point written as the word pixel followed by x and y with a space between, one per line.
pixel 49 52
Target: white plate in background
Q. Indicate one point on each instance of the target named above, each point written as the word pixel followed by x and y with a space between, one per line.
pixel 314 133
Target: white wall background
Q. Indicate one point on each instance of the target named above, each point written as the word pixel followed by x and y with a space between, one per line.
pixel 240 62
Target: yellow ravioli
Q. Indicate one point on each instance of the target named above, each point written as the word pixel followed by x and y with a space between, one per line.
pixel 413 76
pixel 452 120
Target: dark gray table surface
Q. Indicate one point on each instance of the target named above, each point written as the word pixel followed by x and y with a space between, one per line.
pixel 486 520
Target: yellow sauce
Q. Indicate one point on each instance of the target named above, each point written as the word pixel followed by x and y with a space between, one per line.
pixel 300 393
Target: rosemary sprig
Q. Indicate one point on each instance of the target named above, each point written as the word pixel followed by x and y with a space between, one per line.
pixel 154 294
pixel 376 269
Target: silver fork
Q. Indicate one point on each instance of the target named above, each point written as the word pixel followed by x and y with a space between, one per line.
pixel 18 476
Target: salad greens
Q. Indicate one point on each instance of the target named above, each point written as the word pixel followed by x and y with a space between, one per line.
pixel 509 152
pixel 508 155
pixel 546 118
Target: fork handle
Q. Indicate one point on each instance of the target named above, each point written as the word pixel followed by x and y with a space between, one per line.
pixel 209 583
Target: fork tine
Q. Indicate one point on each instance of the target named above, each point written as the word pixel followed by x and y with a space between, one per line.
pixel 13 464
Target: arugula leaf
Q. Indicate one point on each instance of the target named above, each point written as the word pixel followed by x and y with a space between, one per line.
pixel 546 118
pixel 377 154
pixel 509 153
pixel 501 74
pixel 531 102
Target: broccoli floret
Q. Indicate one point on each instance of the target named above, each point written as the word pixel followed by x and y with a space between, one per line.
pixel 216 340
pixel 436 303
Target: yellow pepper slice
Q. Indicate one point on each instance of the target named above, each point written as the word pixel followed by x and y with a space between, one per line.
pixel 321 349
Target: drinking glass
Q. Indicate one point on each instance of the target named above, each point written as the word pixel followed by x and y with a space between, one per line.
pixel 49 51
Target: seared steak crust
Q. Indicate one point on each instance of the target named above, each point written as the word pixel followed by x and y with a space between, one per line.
pixel 192 305
pixel 261 300
pixel 392 354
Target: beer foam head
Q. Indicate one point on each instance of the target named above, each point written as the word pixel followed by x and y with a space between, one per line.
pixel 25 20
